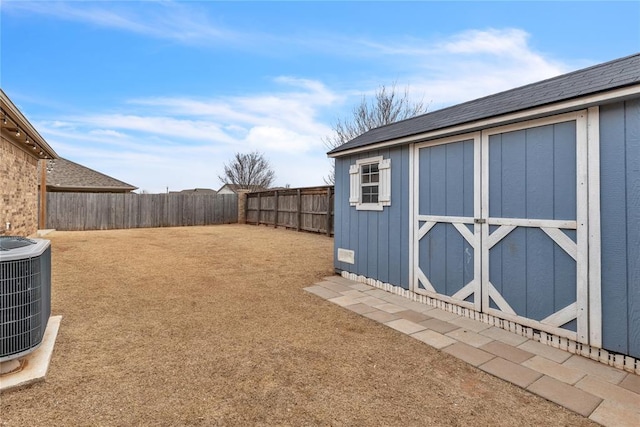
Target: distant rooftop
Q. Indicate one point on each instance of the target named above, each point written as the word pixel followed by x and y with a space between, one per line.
pixel 65 175
pixel 196 191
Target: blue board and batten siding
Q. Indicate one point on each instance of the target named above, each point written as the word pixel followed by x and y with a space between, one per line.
pixel 556 207
pixel 379 239
pixel 620 226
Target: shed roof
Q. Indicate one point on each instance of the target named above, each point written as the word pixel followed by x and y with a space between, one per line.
pixel 588 81
pixel 65 175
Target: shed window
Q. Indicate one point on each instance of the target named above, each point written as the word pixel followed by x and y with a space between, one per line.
pixel 370 181
pixel 370 176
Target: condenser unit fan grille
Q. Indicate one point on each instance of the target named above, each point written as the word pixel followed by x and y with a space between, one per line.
pixel 25 303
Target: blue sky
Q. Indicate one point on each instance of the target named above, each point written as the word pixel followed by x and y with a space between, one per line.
pixel 160 94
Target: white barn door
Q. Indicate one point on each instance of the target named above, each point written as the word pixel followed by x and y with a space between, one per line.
pixel 500 223
pixel 447 240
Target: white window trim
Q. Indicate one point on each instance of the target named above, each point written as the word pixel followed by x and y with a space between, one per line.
pixel 384 184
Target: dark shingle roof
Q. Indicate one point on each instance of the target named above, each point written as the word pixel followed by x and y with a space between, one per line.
pixel 610 75
pixel 65 175
pixel 197 190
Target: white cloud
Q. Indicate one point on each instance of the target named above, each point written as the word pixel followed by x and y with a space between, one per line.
pixel 183 141
pixel 107 132
pixel 164 19
pixel 60 124
pixel 279 139
pixel 510 42
pixel 153 168
pixel 467 65
pixel 196 130
pixel 450 69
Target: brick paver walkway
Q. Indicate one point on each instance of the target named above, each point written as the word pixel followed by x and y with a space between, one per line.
pixel 603 393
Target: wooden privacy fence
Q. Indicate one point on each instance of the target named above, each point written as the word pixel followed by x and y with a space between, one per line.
pixel 104 211
pixel 303 209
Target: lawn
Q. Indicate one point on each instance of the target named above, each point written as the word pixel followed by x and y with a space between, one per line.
pixel 211 326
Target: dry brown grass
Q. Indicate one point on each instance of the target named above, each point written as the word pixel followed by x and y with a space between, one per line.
pixel 210 326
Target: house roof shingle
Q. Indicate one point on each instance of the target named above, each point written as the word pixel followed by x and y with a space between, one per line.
pixel 588 81
pixel 65 175
pixel 195 191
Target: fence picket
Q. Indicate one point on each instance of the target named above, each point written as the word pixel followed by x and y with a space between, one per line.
pixel 303 209
pixel 103 211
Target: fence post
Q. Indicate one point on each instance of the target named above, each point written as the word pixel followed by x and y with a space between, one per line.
pixel 259 206
pixel 329 211
pixel 242 206
pixel 275 209
pixel 299 227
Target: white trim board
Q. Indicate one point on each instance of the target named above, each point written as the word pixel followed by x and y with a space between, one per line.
pixel 420 230
pixel 582 234
pixel 595 259
pixel 413 229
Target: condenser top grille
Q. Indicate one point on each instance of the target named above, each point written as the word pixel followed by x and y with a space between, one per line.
pixel 13 247
pixel 13 242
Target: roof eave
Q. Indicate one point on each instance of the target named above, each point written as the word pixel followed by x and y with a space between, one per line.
pixel 89 189
pixel 575 103
pixel 23 123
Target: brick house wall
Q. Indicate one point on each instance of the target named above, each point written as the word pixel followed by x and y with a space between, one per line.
pixel 18 190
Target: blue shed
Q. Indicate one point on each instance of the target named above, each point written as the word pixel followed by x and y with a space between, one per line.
pixel 521 209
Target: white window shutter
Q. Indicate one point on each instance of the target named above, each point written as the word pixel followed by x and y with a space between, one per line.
pixel 385 182
pixel 354 181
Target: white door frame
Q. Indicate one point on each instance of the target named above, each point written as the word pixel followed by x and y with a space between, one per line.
pixel 472 238
pixel 579 250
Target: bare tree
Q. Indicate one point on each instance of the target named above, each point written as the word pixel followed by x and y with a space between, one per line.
pixel 250 171
pixel 385 108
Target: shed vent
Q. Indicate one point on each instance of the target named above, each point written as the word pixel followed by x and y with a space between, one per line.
pixel 25 294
